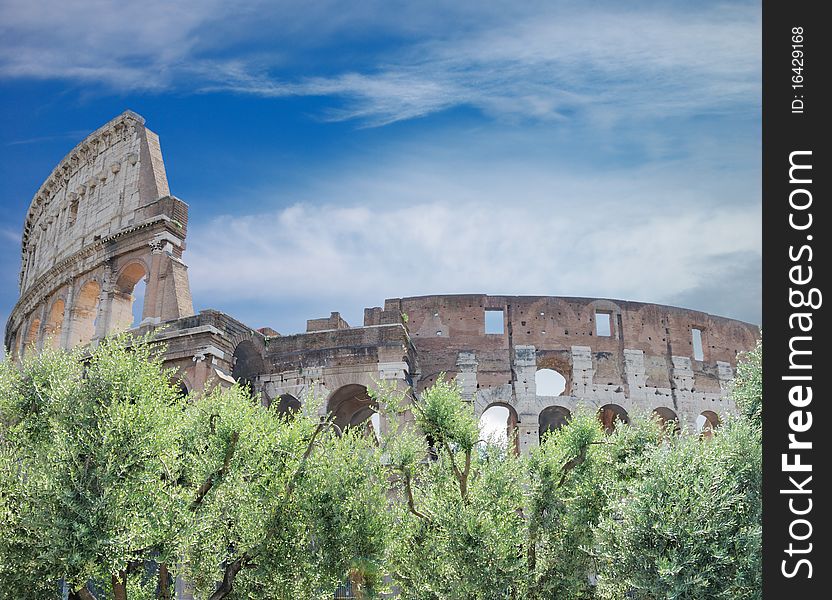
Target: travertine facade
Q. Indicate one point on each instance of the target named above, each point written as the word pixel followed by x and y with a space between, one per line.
pixel 104 220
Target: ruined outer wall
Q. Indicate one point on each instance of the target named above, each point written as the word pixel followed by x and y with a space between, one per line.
pixel 646 362
pixel 102 221
pixel 212 348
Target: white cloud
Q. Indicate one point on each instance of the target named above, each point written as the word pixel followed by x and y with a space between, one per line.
pixel 409 229
pixel 541 61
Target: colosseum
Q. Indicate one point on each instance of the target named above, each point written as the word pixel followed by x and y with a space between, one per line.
pixel 104 232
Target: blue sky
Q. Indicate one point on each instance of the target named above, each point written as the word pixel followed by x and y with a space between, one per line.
pixel 335 154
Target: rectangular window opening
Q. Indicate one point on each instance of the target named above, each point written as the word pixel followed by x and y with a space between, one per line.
pixel 696 339
pixel 73 213
pixel 603 324
pixel 494 321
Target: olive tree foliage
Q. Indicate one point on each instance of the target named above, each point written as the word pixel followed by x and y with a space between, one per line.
pixel 475 521
pixel 113 482
pixel 288 507
pixel 747 389
pixel 690 526
pixel 460 526
pixel 574 475
pixel 89 463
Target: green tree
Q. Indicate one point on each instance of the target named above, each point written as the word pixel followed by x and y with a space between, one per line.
pixel 90 462
pixel 564 501
pixel 690 527
pixel 112 482
pixel 460 524
pixel 747 389
pixel 283 507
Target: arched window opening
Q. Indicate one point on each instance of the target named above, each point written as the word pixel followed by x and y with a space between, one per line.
pixel 128 298
pixel 182 389
pixel 138 302
pixel 706 423
pixel 247 365
pixel 54 325
pixel 668 419
pixel 498 425
pixel 351 406
pixel 610 415
pixel 552 418
pixel 84 314
pixel 287 406
pixel 549 382
pixel 31 340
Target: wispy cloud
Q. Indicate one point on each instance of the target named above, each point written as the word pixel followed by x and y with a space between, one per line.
pixel 499 210
pixel 545 62
pixel 77 134
pixel 7 235
pixel 610 65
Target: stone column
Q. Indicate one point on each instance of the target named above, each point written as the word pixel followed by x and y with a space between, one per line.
pixel 635 373
pixel 105 305
pixel 392 371
pixel 153 293
pixel 525 395
pixel 582 372
pixel 67 324
pixel 726 375
pixel 39 338
pixel 466 366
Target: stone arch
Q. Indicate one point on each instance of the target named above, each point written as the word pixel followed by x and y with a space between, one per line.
pixel 286 405
pixel 706 422
pixel 84 314
pixel 548 382
pixel 351 406
pixel 561 364
pixel 128 296
pixel 54 323
pixel 408 371
pixel 11 346
pixel 31 339
pixel 665 416
pixel 609 414
pixel 182 388
pixel 499 420
pixel 552 418
pixel 247 364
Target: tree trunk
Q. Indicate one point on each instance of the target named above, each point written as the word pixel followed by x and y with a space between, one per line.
pixel 82 594
pixel 164 582
pixel 119 585
pixel 231 571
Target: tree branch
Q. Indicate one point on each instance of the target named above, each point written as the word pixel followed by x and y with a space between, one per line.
pixel 164 582
pixel 410 503
pixel 85 594
pixel 463 487
pixel 457 472
pixel 209 483
pixel 578 460
pixel 461 476
pixel 290 488
pixel 228 577
pixel 119 582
